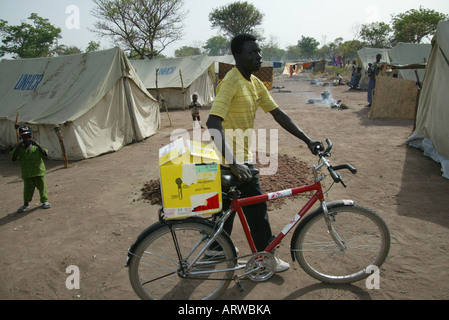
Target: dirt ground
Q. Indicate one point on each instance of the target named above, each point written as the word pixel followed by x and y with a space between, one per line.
pixel 97 210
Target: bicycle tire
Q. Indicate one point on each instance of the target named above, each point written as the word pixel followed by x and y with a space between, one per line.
pixel 364 233
pixel 155 269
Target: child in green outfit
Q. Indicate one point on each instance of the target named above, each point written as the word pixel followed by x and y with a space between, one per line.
pixel 30 155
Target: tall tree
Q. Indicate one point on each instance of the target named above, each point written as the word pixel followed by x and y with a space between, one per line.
pixel 308 47
pixel 143 27
pixel 415 25
pixel 236 18
pixel 376 34
pixel 29 40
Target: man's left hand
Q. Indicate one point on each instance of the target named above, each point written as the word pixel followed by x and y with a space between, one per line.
pixel 315 147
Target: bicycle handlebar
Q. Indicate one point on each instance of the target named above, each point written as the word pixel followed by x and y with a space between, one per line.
pixel 332 170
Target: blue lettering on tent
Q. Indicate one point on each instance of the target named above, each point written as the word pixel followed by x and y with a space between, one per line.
pixel 28 82
pixel 166 71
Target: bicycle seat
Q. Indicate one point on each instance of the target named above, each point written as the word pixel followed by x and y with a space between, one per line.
pixel 228 180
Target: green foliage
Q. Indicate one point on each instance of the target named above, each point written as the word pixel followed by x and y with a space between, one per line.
pixel 237 18
pixel 29 40
pixel 415 25
pixel 187 51
pixel 308 47
pixel 376 34
pixel 217 46
pixel 93 46
pixel 63 50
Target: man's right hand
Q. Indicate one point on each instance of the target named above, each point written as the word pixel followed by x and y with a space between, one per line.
pixel 241 172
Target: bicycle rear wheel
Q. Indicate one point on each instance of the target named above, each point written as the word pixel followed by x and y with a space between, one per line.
pixel 157 273
pixel 364 234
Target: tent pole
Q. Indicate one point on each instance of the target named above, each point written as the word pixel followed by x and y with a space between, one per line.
pixel 183 92
pixel 58 132
pixel 129 109
pixel 161 99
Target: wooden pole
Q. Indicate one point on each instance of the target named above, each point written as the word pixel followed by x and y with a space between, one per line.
pixel 58 132
pixel 164 102
pixel 157 88
pixel 161 99
pixel 183 92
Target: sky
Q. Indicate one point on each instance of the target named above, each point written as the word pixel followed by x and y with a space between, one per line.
pixel 285 20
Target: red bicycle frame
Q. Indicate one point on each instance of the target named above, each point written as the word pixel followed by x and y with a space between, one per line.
pixel 237 205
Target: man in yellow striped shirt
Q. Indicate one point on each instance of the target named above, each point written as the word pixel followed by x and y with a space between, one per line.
pixel 231 121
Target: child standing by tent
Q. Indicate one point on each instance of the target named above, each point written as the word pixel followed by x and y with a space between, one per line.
pixel 30 155
pixel 195 106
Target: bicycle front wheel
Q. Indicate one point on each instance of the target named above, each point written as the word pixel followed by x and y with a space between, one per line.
pixel 366 240
pixel 157 267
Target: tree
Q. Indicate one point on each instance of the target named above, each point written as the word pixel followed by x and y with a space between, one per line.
pixel 143 27
pixel 187 51
pixel 308 47
pixel 237 18
pixel 217 46
pixel 376 34
pixel 63 50
pixel 293 53
pixel 271 50
pixel 29 40
pixel 92 46
pixel 415 25
pixel 348 50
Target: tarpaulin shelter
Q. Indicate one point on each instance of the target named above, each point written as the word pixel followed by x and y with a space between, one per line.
pixel 96 98
pixel 407 55
pixel 396 96
pixel 432 118
pixel 177 79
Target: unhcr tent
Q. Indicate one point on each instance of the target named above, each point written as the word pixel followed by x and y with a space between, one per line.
pixel 432 119
pixel 96 98
pixel 176 80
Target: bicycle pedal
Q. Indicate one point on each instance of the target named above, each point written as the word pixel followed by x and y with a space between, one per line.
pixel 239 284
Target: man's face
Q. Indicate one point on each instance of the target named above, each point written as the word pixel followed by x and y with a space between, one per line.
pixel 250 58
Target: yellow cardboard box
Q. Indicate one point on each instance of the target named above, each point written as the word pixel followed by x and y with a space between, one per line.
pixel 190 179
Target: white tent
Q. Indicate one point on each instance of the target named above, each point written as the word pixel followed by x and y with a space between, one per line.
pixel 410 54
pixel 96 98
pixel 195 74
pixel 432 119
pixel 368 55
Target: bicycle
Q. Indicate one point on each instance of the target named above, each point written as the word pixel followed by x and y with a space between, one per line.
pixel 336 243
